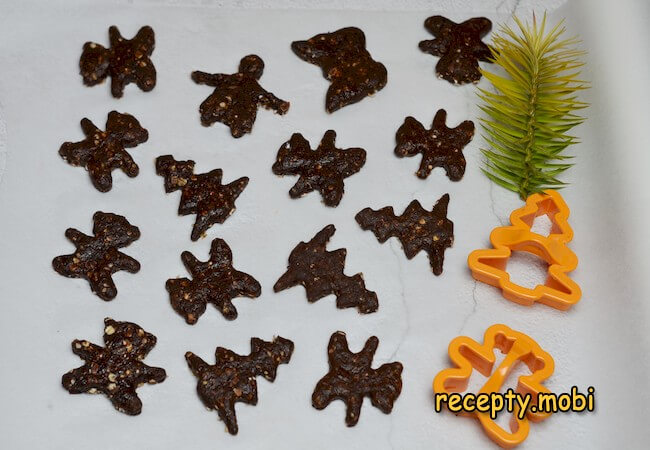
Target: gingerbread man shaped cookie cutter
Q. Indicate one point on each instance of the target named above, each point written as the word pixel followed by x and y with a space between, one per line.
pixel 468 355
pixel 489 265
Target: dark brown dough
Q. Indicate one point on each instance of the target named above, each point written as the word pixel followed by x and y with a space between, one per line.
pixel 321 273
pixel 214 281
pixel 237 96
pixel 125 61
pixel 459 46
pixel 346 63
pixel 232 378
pixel 351 378
pixel 104 151
pixel 440 146
pixel 115 370
pixel 97 257
pixel 417 229
pixel 202 194
pixel 322 169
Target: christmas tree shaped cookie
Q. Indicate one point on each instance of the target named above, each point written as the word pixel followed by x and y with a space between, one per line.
pixel 232 379
pixel 201 194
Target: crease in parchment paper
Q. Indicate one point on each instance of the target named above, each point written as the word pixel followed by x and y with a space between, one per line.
pixel 3 145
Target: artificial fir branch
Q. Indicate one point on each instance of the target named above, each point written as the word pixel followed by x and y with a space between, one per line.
pixel 528 117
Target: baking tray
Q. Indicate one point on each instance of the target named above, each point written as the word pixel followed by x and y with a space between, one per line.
pixel 601 342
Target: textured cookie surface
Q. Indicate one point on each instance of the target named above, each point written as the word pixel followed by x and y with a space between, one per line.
pixel 97 257
pixel 322 170
pixel 104 151
pixel 417 229
pixel 115 370
pixel 321 273
pixel 237 97
pixel 215 281
pixel 201 194
pixel 125 61
pixel 346 63
pixel 459 47
pixel 232 378
pixel 440 146
pixel 351 378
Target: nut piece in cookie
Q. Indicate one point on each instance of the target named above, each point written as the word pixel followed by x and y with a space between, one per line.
pixel 417 229
pixel 237 96
pixel 346 63
pixel 115 370
pixel 214 281
pixel 97 257
pixel 459 46
pixel 321 273
pixel 104 151
pixel 351 378
pixel 232 378
pixel 322 170
pixel 201 194
pixel 440 146
pixel 125 61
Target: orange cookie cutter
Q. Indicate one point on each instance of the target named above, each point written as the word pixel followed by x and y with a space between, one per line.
pixel 467 355
pixel 489 265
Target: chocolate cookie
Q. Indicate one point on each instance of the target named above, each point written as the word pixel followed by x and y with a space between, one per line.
pixel 346 63
pixel 351 379
pixel 322 169
pixel 321 273
pixel 440 146
pixel 236 97
pixel 232 378
pixel 214 281
pixel 125 61
pixel 202 194
pixel 97 257
pixel 459 46
pixel 104 151
pixel 115 370
pixel 417 229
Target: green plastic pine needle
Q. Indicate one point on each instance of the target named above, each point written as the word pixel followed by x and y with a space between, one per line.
pixel 527 119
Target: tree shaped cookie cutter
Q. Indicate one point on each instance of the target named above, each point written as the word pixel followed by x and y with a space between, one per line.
pixel 468 355
pixel 489 265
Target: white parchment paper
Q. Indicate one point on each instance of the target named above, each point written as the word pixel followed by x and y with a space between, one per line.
pixel 601 341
